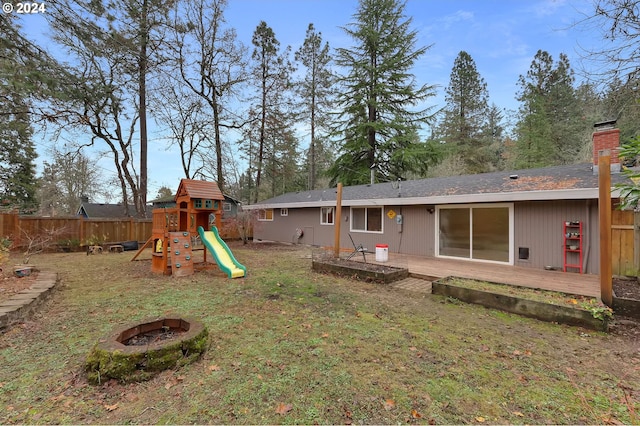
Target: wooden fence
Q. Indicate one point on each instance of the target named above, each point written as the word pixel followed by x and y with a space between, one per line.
pixel 72 230
pixel 625 242
pixel 76 231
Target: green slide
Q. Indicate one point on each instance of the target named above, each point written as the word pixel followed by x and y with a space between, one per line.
pixel 220 251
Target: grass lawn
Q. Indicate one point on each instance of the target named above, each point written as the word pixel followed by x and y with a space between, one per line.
pixel 289 346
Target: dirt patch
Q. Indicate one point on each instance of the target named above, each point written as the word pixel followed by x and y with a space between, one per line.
pixel 626 288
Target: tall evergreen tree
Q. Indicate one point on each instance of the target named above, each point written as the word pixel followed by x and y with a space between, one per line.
pixel 19 83
pixel 380 102
pixel 271 113
pixel 316 93
pixel 494 138
pixel 466 114
pixel 621 102
pixel 549 130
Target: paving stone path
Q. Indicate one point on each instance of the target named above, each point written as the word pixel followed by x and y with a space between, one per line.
pixel 417 285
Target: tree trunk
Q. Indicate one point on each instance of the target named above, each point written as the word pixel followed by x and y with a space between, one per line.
pixel 141 204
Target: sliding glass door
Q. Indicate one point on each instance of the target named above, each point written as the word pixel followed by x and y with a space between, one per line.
pixel 482 232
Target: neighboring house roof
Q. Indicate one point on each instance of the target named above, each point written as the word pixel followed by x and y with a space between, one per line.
pixel 101 210
pixel 575 181
pixel 162 200
pixel 199 189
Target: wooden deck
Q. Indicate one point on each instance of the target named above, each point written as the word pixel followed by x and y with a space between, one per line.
pixel 434 268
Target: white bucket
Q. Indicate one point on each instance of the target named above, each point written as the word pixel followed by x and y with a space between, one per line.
pixel 382 252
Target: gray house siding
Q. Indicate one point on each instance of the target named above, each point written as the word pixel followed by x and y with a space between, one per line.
pixel 283 228
pixel 415 236
pixel 538 227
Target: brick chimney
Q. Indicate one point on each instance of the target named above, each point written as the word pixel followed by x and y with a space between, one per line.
pixel 606 137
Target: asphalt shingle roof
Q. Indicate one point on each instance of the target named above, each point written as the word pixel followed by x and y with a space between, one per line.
pixel 100 210
pixel 568 177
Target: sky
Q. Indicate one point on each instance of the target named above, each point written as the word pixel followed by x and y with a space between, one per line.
pixel 502 37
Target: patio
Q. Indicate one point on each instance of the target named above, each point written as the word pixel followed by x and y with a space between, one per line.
pixel 434 268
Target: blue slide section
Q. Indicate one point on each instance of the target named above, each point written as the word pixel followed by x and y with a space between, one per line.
pixel 220 251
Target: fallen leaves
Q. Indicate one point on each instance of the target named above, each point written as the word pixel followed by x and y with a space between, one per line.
pixel 389 404
pixel 283 409
pixel 112 407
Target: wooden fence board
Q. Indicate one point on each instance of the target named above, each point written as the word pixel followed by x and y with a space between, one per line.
pixel 622 242
pixel 82 231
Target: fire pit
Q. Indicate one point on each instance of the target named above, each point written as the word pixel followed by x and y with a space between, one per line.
pixel 136 352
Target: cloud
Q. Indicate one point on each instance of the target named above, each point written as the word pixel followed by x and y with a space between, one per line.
pixel 547 7
pixel 459 16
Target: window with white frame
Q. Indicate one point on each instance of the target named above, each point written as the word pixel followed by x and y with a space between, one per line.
pixel 366 219
pixel 226 207
pixel 327 215
pixel 265 215
pixel 284 212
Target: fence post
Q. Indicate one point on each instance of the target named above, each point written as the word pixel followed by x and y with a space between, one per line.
pixel 16 230
pixel 82 233
pixel 636 243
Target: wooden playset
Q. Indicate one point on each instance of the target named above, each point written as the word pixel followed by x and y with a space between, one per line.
pixel 198 209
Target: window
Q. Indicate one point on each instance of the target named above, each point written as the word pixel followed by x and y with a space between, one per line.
pixel 197 203
pixel 366 219
pixel 284 212
pixel 326 215
pixel 476 232
pixel 226 207
pixel 265 215
pixel 208 204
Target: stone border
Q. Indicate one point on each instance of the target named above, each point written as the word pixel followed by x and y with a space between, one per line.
pixel 528 308
pixel 22 305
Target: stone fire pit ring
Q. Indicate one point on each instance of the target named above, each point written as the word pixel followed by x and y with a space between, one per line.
pixel 137 352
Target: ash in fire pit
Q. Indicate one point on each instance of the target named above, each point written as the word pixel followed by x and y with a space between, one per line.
pixel 166 333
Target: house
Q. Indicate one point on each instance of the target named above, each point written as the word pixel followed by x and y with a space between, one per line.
pixel 545 217
pixel 106 211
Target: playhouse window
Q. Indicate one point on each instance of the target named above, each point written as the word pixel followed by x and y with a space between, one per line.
pixel 326 216
pixel 208 204
pixel 197 203
pixel 265 215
